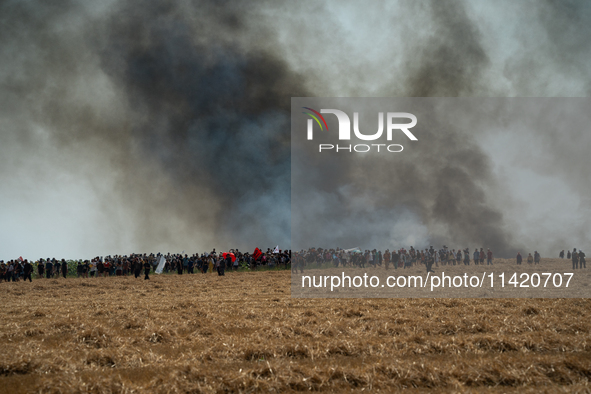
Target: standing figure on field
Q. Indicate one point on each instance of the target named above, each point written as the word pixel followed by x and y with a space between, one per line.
pixel 147 267
pixel 137 267
pixel 429 262
pixel 489 257
pixel 395 257
pixel 41 268
pixel 48 269
pixel 451 258
pixel 575 259
pixel 64 268
pixel 27 271
pixel 386 258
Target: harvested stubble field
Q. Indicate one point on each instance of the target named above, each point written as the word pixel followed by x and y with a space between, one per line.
pixel 243 333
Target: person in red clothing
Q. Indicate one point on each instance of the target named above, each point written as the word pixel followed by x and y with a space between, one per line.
pixel 489 257
pixel 482 256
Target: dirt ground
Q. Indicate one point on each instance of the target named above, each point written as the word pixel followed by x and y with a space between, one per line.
pixel 244 333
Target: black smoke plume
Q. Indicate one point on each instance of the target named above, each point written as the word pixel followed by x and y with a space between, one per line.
pixel 166 124
pixel 441 182
pixel 198 150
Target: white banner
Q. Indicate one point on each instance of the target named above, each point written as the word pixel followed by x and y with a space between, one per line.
pixel 161 263
pixel 276 249
pixel 353 250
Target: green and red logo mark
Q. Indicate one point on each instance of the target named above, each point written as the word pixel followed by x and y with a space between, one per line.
pixel 316 117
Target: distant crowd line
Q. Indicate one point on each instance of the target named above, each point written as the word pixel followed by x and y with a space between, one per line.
pixel 403 258
pixel 134 264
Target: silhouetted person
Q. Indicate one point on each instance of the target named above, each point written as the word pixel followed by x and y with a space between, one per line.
pixel 137 267
pixel 429 263
pixel 64 269
pixel 147 270
pixel 575 259
pixel 48 269
pixel 27 270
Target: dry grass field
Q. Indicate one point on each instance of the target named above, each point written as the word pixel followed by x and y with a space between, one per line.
pixel 243 333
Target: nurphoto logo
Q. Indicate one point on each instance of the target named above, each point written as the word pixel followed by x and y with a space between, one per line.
pixel 344 131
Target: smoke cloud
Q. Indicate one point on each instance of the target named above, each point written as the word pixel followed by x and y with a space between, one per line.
pixel 194 145
pixel 131 126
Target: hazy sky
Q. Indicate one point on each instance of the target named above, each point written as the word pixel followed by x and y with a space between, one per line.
pixel 133 128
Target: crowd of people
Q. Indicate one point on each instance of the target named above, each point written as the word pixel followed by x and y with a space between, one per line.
pixel 578 258
pixel 134 264
pixel 403 258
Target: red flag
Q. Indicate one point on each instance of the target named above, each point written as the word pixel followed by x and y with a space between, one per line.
pixel 21 258
pixel 257 253
pixel 232 256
